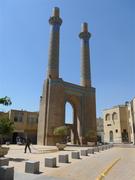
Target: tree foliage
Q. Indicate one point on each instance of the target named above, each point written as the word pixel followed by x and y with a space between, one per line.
pixel 90 135
pixel 6 127
pixel 61 131
pixel 5 101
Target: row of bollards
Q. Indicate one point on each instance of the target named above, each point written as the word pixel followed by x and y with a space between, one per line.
pixel 33 166
pixel 7 172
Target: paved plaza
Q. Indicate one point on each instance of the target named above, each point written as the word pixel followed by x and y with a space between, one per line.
pixel 87 168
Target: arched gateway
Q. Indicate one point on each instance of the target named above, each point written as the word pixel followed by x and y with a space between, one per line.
pixel 57 92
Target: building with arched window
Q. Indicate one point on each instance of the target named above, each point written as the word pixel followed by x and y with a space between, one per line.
pixel 119 123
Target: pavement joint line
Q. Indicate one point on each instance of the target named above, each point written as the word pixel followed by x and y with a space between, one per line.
pixel 105 172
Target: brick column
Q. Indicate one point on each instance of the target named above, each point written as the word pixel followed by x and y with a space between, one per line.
pixel 85 56
pixel 53 65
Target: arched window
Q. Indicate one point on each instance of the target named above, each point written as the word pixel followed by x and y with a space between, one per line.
pixel 107 117
pixel 114 116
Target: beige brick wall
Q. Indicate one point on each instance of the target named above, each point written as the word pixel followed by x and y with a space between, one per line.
pixel 25 123
pixel 112 125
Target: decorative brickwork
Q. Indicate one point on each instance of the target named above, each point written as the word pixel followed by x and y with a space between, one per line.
pixel 57 92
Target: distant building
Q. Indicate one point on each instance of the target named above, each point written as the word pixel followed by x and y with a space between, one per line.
pixel 131 115
pixel 25 124
pixel 119 123
pixel 100 130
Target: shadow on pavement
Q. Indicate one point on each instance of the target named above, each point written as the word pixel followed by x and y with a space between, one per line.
pixel 17 159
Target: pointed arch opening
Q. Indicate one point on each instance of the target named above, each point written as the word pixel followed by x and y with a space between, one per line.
pixel 68 113
pixel 69 121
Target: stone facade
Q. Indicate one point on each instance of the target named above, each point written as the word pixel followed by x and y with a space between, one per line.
pixel 57 92
pixel 119 123
pixel 25 123
pixel 100 130
pixel 131 115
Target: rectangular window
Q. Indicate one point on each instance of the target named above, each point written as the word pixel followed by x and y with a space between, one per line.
pixel 32 119
pixel 18 117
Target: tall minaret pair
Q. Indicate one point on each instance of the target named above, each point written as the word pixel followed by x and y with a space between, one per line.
pixel 57 92
pixel 53 66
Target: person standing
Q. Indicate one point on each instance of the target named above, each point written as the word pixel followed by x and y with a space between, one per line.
pixel 27 145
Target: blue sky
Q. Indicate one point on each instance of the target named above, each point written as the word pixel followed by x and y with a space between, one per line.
pixel 24 39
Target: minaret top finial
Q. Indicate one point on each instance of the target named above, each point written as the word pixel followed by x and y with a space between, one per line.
pixel 84 27
pixel 85 34
pixel 56 12
pixel 55 18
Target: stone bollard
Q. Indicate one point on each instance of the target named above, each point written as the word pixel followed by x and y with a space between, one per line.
pixel 75 155
pixel 63 158
pixel 4 161
pixel 84 152
pixel 7 173
pixel 102 148
pixel 96 149
pixel 111 145
pixel 50 162
pixel 32 167
pixel 91 151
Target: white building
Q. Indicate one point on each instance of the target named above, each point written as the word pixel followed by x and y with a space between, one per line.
pixel 119 123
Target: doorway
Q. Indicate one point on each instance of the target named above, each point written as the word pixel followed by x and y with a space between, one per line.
pixel 111 136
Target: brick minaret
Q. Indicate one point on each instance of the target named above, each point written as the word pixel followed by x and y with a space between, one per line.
pixel 85 56
pixel 53 65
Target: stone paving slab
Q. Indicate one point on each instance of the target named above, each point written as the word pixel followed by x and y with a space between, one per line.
pixel 86 168
pixel 24 176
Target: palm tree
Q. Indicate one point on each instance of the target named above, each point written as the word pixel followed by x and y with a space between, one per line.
pixel 5 101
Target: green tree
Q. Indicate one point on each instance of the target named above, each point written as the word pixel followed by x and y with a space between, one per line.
pixel 5 101
pixel 62 132
pixel 6 127
pixel 91 135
